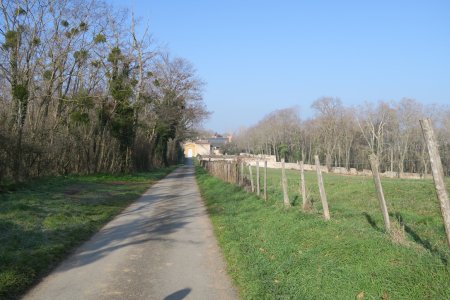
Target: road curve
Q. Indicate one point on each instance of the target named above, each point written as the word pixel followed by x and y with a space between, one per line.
pixel 160 247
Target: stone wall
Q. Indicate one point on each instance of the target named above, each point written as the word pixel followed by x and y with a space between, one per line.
pixel 202 149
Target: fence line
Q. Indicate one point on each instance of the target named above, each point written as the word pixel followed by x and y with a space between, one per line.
pixel 232 171
pixel 271 164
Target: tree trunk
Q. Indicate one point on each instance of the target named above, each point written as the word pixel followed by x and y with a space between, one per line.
pixel 328 161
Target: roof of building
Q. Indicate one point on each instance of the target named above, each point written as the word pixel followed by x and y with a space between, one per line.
pixel 202 142
pixel 218 141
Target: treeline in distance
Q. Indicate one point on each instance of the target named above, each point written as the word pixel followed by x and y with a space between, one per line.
pixel 345 136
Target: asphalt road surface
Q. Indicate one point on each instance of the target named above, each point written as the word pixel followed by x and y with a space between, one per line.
pixel 161 247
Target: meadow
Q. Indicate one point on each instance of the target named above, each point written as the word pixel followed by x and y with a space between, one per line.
pixel 277 253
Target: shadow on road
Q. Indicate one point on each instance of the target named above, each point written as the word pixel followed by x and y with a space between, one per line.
pixel 178 295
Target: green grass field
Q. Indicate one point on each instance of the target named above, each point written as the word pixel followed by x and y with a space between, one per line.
pixel 41 222
pixel 273 253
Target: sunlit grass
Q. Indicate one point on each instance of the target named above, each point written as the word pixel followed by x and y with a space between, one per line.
pixel 273 253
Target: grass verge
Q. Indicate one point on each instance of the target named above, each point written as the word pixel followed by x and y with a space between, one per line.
pixel 41 222
pixel 274 253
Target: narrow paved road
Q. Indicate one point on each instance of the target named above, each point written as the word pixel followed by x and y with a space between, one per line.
pixel 161 247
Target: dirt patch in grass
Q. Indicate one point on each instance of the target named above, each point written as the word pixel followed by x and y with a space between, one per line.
pixel 118 182
pixel 74 189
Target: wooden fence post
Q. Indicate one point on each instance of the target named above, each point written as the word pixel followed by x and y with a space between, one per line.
pixel 323 196
pixel 285 186
pixel 224 174
pixel 265 180
pixel 306 204
pixel 224 171
pixel 251 178
pixel 258 189
pixel 438 173
pixel 376 179
pixel 241 178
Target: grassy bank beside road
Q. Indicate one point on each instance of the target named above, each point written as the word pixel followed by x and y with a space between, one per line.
pixel 41 222
pixel 274 253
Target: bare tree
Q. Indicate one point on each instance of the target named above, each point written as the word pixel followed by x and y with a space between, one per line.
pixel 81 92
pixel 347 135
pixel 408 111
pixel 328 113
pixel 373 123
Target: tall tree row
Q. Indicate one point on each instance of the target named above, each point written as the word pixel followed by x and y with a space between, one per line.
pixel 82 92
pixel 345 136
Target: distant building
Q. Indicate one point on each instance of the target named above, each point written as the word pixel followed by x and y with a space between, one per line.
pixel 212 145
pixel 217 144
pixel 200 147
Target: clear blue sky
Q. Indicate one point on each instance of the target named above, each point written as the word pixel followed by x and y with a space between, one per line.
pixel 258 56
